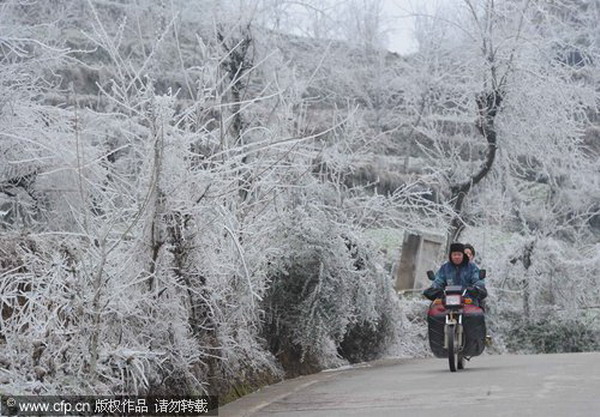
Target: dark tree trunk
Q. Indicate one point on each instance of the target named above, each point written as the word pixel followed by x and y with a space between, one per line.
pixel 237 64
pixel 488 105
pixel 527 252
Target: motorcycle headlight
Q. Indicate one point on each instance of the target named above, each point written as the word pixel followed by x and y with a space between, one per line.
pixel 453 300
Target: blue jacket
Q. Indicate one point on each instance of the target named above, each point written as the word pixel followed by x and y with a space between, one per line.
pixel 465 274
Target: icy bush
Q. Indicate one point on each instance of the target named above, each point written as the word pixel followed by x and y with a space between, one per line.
pixel 554 334
pixel 411 327
pixel 58 325
pixel 329 300
pixel 542 292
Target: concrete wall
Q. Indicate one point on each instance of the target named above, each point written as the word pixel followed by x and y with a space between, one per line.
pixel 405 274
pixel 420 252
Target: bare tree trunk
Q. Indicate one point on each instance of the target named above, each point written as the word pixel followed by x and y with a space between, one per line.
pixel 527 252
pixel 488 105
pixel 237 64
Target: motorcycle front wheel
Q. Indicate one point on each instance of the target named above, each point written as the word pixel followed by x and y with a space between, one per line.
pixel 452 349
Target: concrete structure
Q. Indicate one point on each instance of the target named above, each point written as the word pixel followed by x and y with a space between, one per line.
pixel 420 252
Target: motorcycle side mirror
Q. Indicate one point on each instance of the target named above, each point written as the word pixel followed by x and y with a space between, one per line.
pixel 430 275
pixel 482 273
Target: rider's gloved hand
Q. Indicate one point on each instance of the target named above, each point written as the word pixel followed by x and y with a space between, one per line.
pixel 478 292
pixel 432 293
pixel 482 292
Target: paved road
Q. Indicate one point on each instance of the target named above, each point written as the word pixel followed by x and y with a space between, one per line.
pixel 490 386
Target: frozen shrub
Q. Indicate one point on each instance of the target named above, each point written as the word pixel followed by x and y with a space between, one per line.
pixel 553 334
pixel 328 299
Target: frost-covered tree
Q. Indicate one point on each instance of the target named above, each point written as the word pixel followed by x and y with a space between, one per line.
pixel 175 153
pixel 504 122
pixel 487 86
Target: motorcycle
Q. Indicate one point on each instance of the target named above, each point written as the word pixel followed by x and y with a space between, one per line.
pixel 456 324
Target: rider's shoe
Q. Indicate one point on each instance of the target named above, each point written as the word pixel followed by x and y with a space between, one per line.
pixel 488 340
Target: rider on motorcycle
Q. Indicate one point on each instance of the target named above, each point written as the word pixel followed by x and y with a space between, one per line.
pixel 457 271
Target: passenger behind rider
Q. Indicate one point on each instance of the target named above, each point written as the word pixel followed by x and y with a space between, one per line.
pixel 457 271
pixel 470 252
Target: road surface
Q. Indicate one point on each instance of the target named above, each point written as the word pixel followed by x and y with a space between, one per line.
pixel 490 386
